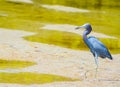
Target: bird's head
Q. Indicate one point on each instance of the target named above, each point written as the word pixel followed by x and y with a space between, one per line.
pixel 86 26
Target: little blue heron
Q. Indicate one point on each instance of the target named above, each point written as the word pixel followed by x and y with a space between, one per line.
pixel 97 48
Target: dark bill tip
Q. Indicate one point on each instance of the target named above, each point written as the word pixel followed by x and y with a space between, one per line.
pixel 78 27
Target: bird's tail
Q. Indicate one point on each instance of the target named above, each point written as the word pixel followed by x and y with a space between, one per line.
pixel 109 56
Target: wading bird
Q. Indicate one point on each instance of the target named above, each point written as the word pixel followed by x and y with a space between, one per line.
pixel 97 48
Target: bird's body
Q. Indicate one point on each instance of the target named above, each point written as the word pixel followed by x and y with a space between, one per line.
pixel 97 48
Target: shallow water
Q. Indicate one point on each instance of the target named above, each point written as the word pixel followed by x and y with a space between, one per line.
pixel 104 18
pixel 27 78
pixel 7 64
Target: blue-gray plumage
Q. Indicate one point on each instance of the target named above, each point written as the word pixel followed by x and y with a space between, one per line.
pixel 97 48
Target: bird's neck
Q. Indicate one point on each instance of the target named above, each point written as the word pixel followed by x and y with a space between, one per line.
pixel 86 32
pixel 86 40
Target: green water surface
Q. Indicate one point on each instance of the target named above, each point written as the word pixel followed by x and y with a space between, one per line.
pixel 104 17
pixel 7 64
pixel 28 78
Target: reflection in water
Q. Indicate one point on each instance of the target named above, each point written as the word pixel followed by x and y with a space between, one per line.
pixel 98 4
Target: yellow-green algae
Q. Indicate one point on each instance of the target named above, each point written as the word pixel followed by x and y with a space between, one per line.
pixel 31 17
pixel 83 3
pixel 5 64
pixel 32 78
pixel 70 40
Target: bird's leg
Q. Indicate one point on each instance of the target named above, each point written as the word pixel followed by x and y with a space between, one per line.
pixel 96 61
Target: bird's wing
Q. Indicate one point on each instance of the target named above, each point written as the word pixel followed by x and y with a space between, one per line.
pixel 99 47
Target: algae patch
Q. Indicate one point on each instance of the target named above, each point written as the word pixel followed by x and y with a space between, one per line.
pixel 31 17
pixel 59 38
pixel 70 40
pixel 14 64
pixel 31 78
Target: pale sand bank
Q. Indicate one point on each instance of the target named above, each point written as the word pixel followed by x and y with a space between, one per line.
pixel 64 8
pixel 24 1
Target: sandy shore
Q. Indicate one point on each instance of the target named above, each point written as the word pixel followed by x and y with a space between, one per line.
pixel 23 1
pixel 64 8
pixel 57 60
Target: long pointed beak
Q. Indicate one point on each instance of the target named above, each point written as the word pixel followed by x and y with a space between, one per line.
pixel 79 27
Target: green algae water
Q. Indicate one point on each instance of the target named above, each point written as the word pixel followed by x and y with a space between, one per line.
pixel 14 64
pixel 27 78
pixel 103 15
